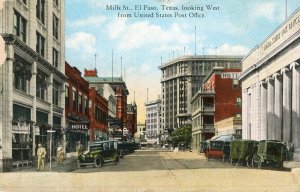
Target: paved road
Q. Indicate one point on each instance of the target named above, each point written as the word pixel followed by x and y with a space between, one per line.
pixel 147 171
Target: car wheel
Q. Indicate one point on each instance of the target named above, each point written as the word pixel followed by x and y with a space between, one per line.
pixel 98 162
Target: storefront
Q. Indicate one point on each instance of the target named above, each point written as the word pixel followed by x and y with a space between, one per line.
pixel 77 131
pixel 21 135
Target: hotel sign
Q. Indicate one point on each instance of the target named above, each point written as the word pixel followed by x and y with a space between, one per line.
pixel 230 75
pixel 287 30
pixel 79 126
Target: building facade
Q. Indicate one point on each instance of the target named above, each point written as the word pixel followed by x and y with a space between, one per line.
pixel 181 79
pixel 140 133
pixel 98 116
pixel 153 121
pixel 76 109
pixel 31 79
pixel 214 104
pixel 270 87
pixel 121 93
pixel 131 119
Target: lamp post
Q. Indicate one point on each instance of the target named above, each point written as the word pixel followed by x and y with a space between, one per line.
pixel 50 131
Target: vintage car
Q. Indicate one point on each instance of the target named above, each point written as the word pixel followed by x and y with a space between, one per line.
pixel 127 147
pixel 270 152
pixel 98 153
pixel 218 149
pixel 242 151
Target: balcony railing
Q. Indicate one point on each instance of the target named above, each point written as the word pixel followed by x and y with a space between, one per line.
pixel 209 108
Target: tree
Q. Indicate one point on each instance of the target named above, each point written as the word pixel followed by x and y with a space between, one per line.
pixel 182 134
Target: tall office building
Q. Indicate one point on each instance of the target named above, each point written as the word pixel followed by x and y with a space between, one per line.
pixel 153 124
pixel 31 79
pixel 181 79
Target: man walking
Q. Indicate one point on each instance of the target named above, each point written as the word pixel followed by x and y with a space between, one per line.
pixel 41 153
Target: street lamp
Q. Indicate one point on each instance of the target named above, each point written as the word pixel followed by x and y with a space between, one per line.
pixel 50 131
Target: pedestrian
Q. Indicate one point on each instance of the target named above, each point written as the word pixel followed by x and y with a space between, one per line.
pixel 41 154
pixel 79 149
pixel 60 154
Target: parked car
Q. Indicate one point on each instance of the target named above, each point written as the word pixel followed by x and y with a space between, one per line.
pixel 270 152
pixel 98 153
pixel 242 151
pixel 218 149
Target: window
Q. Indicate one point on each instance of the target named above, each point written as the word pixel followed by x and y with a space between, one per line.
pixel 22 74
pixel 40 44
pixel 235 84
pixel 238 102
pixel 55 58
pixel 86 106
pixel 41 85
pixel 67 96
pixel 55 95
pixel 55 26
pixel 20 26
pixel 74 100
pixel 40 10
pixel 80 103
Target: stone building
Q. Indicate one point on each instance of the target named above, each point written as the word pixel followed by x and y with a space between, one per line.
pixel 31 79
pixel 153 121
pixel 181 78
pixel 270 86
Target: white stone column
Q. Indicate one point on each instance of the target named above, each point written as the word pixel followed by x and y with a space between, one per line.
pixel 287 105
pixel 33 112
pixel 6 109
pixel 278 106
pixel 245 115
pixel 263 112
pixel 270 109
pixel 295 109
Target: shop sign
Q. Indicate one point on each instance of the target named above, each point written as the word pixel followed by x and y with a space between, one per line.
pixel 79 126
pixel 37 130
pixel 21 128
pixel 230 75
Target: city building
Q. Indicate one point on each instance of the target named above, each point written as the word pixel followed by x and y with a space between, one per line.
pixel 76 109
pixel 131 119
pixel 181 79
pixel 270 86
pixel 153 122
pixel 98 116
pixel 140 133
pixel 32 79
pixel 216 107
pixel 121 93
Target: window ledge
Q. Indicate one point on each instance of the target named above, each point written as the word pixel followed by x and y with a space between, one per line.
pixel 23 4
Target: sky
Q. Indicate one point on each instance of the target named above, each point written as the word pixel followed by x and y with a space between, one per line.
pixel 234 28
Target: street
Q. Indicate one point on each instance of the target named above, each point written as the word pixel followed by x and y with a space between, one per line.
pixel 151 170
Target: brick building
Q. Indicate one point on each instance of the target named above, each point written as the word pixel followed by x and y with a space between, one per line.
pixel 121 92
pixel 77 108
pixel 98 114
pixel 217 102
pixel 131 119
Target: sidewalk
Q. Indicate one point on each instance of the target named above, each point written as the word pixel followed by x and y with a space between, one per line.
pixel 68 165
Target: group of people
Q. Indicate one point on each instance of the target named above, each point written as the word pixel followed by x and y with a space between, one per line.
pixel 60 155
